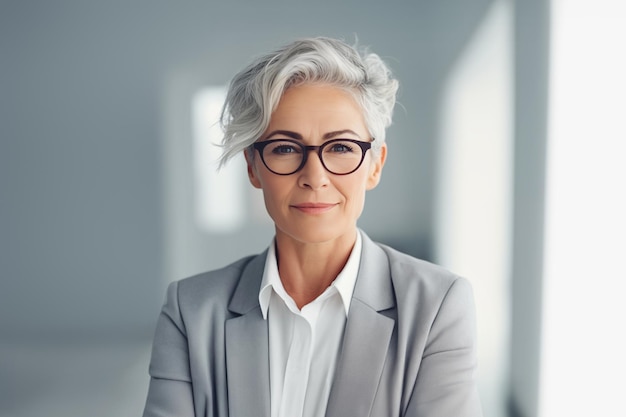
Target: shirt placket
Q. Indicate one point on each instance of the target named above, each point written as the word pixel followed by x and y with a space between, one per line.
pixel 297 368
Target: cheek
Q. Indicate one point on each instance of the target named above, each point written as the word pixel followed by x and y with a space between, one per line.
pixel 274 193
pixel 271 205
pixel 355 193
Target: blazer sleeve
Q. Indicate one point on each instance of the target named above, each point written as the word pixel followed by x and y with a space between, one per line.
pixel 170 391
pixel 445 384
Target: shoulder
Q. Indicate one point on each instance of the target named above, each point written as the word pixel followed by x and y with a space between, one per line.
pixel 421 284
pixel 213 288
pixel 406 269
pixel 431 303
pixel 215 279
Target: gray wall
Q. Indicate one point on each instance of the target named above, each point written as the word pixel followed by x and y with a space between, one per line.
pixel 531 101
pixel 81 165
pixel 83 86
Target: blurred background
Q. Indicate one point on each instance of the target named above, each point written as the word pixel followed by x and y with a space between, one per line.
pixel 506 165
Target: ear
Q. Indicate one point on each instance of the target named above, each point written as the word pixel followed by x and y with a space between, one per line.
pixel 253 175
pixel 377 167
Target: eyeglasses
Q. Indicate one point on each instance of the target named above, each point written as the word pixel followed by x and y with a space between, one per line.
pixel 338 156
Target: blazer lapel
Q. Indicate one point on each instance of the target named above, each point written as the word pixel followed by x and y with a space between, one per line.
pixel 366 338
pixel 247 352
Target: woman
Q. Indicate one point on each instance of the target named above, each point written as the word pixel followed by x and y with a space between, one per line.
pixel 325 322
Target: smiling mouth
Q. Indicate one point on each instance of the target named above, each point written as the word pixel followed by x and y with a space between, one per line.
pixel 314 208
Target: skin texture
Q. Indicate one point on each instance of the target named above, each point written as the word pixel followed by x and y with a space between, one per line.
pixel 315 212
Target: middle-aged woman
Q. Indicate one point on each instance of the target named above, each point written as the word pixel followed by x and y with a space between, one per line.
pixel 325 322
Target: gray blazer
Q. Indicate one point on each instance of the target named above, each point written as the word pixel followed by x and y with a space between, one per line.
pixel 408 349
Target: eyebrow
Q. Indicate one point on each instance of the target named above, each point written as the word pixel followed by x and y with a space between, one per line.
pixel 326 136
pixel 288 133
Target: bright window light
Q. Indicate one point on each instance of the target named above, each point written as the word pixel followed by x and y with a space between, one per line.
pixel 219 195
pixel 475 189
pixel 584 315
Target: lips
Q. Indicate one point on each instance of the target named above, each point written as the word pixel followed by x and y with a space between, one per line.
pixel 314 208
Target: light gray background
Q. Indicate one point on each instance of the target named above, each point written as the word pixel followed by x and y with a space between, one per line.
pixel 83 96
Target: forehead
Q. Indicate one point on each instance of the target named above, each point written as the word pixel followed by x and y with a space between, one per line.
pixel 318 106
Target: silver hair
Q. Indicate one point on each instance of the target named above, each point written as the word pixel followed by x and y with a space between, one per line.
pixel 254 93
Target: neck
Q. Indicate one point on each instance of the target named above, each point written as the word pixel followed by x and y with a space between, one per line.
pixel 307 269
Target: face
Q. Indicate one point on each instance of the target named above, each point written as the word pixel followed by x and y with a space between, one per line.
pixel 313 205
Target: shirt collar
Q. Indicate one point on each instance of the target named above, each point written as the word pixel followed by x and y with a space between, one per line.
pixel 344 282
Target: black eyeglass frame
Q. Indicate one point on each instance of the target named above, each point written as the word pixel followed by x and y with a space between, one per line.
pixel 260 146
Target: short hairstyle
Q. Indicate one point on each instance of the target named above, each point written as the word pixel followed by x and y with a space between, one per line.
pixel 254 93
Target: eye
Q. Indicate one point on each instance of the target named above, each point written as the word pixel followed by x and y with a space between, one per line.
pixel 340 147
pixel 284 148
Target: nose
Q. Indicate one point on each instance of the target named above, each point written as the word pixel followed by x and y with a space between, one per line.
pixel 313 175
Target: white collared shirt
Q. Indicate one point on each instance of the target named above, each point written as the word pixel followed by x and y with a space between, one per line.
pixel 304 345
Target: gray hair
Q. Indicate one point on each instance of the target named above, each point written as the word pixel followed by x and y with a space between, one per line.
pixel 254 93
